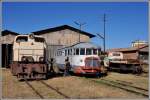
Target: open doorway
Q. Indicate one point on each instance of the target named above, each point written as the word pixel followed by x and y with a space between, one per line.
pixel 6 55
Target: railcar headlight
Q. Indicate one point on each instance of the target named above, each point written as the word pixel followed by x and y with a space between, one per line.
pixel 81 60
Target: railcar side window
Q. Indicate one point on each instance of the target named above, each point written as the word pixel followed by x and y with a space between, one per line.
pixel 65 52
pixel 70 53
pixel 82 51
pixel 99 51
pixel 77 51
pixel 74 51
pixel 95 51
pixel 88 51
pixel 22 39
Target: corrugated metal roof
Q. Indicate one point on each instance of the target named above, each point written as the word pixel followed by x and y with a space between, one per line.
pixel 6 32
pixel 126 49
pixel 62 28
pixel 82 45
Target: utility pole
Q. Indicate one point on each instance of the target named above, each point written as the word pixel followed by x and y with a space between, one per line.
pixel 104 31
pixel 103 36
pixel 80 26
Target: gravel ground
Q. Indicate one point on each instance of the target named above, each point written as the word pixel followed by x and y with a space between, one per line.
pixel 71 86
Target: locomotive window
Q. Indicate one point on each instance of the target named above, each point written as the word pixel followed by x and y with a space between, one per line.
pixel 88 51
pixel 77 51
pixel 82 51
pixel 95 51
pixel 22 39
pixel 38 39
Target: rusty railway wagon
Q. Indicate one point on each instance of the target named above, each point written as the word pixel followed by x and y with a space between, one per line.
pixel 29 59
pixel 116 62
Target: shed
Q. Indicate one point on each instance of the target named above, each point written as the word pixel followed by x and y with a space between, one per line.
pixel 137 52
pixel 61 36
pixel 6 41
pixel 55 37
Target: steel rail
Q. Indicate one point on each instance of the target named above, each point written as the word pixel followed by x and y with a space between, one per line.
pixel 52 88
pixel 121 87
pixel 34 89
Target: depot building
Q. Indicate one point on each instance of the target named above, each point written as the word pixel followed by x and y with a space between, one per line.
pixel 55 37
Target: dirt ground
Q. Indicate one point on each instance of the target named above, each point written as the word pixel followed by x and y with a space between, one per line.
pixel 72 86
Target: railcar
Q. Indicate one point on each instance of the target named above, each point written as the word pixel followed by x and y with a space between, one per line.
pixel 29 59
pixel 83 58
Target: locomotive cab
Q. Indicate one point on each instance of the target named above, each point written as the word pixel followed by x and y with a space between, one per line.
pixel 29 59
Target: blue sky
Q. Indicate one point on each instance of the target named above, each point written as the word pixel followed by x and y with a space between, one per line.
pixel 126 22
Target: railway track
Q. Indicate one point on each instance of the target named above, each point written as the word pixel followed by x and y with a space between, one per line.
pixel 123 86
pixel 47 86
pixel 37 93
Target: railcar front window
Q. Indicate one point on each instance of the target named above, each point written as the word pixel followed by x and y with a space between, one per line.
pixel 95 51
pixel 82 51
pixel 88 51
pixel 92 63
pixel 22 39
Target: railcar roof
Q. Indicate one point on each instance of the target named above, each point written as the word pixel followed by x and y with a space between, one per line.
pixel 82 45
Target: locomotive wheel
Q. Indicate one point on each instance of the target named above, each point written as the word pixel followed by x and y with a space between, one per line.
pixel 30 59
pixel 23 58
